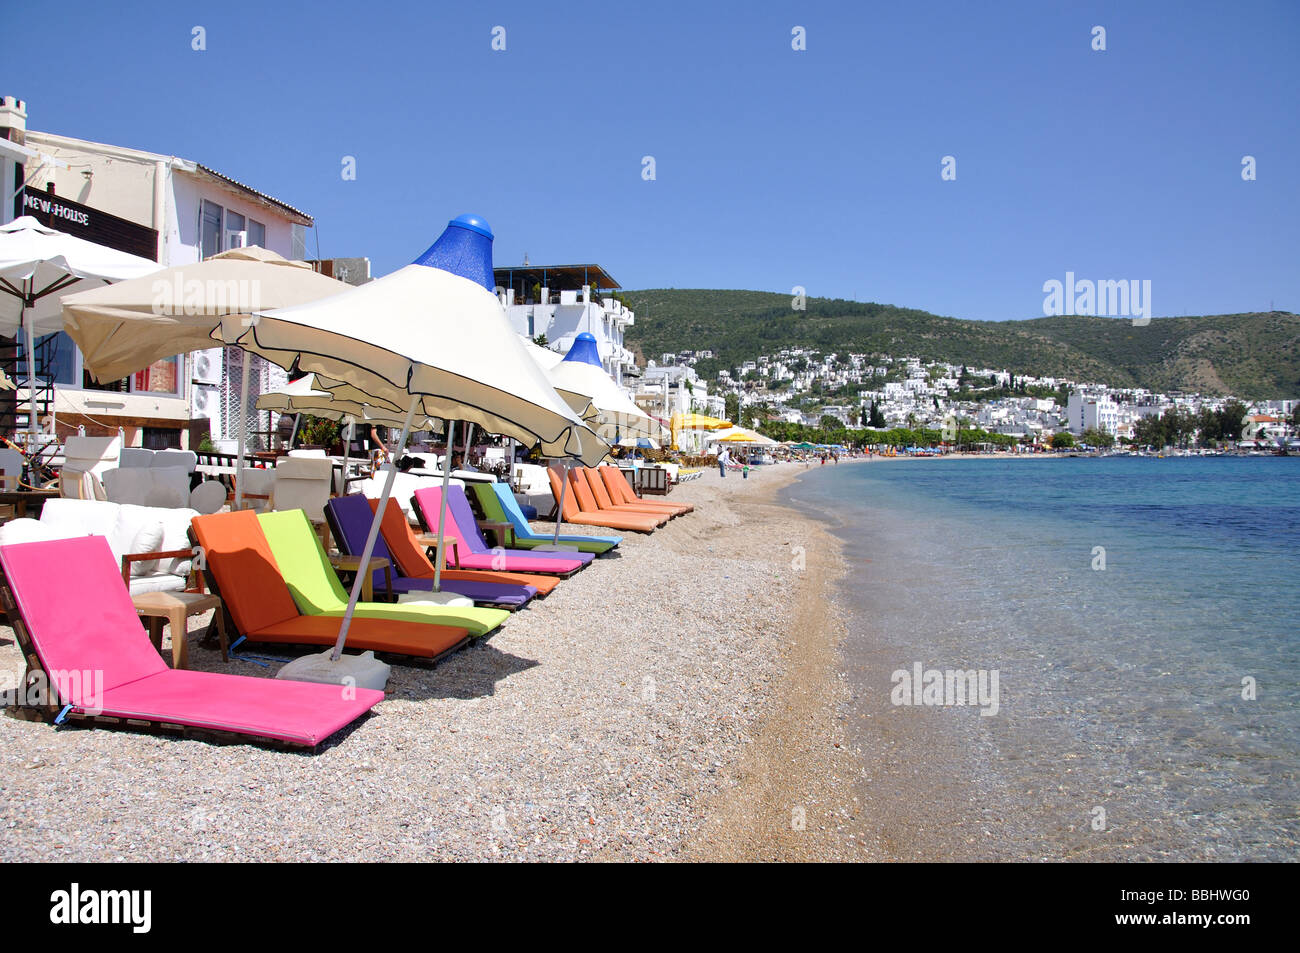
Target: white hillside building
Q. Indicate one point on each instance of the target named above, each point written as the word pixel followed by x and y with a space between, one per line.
pixel 561 302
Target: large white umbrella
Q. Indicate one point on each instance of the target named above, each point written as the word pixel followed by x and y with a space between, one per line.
pixel 302 396
pixel 424 341
pixel 580 379
pixel 542 355
pixel 125 327
pixel 130 325
pixel 38 267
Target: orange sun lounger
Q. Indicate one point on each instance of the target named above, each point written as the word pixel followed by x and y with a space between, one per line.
pixel 621 492
pixel 596 488
pixel 406 550
pixel 242 571
pixel 580 507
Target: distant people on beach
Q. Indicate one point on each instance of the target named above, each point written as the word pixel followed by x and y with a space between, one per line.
pixel 724 457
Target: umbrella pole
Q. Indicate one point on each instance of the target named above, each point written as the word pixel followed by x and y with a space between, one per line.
pixel 559 511
pixel 297 419
pixel 243 432
pixel 442 506
pixel 373 535
pixel 31 378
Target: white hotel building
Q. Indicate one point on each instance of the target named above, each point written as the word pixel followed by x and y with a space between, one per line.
pixel 562 301
pixel 1092 412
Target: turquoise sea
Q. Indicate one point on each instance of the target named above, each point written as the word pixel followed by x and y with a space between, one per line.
pixel 1127 605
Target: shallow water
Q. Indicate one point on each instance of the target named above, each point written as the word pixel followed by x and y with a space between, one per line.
pixel 1121 688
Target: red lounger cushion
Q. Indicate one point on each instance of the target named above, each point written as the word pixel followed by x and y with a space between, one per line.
pixel 99 632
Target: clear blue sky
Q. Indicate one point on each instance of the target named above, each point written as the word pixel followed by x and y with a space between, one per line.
pixel 775 168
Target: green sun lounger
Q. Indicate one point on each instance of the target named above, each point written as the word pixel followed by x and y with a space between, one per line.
pixel 500 505
pixel 316 589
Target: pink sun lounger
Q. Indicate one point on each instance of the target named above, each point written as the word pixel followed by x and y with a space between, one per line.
pixel 472 550
pixel 93 649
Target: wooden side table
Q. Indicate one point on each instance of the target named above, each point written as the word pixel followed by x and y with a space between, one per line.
pixel 174 608
pixel 430 543
pixel 349 566
pixel 503 530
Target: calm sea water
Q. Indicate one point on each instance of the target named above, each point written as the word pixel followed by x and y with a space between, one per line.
pixel 1122 730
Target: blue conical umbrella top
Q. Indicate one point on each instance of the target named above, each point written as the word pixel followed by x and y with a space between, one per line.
pixel 464 248
pixel 584 350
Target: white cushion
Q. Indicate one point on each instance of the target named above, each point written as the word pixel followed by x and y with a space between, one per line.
pixel 151 486
pixel 157 582
pixel 120 524
pixel 27 531
pixel 136 457
pixel 187 460
pixel 80 517
pixel 148 539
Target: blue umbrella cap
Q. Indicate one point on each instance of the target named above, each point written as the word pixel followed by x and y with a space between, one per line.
pixel 464 248
pixel 584 350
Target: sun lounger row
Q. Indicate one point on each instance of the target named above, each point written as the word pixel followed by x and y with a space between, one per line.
pixel 600 496
pixel 278 586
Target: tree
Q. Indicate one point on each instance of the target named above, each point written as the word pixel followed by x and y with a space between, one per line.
pixel 1209 427
pixel 1232 417
pixel 1150 432
pixel 830 423
pixel 540 340
pixel 877 420
pixel 1097 438
pixel 1062 440
pixel 731 403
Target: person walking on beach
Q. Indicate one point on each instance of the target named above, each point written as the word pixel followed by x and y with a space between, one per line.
pixel 724 457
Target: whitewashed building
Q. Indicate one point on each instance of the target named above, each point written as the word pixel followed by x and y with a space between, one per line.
pixel 173 210
pixel 561 302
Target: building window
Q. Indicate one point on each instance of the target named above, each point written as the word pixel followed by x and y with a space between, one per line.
pixel 256 233
pixel 235 234
pixel 163 378
pixel 209 229
pixel 160 438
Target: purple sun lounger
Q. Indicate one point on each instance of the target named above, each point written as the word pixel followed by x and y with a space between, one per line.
pixel 472 550
pixel 75 621
pixel 349 518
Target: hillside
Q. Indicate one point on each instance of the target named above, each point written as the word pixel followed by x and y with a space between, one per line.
pixel 1250 355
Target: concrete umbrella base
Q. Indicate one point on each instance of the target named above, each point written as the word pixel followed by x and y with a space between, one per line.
pixel 350 671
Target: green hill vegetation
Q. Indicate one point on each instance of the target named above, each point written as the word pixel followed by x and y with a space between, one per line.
pixel 1255 356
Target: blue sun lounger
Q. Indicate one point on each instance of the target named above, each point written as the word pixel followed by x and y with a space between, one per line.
pixel 525 536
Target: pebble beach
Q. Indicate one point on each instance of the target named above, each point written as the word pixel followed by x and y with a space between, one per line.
pixel 678 699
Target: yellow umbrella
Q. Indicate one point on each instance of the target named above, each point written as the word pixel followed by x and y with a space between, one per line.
pixel 696 422
pixel 742 435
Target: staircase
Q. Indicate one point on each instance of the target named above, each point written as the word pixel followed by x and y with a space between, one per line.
pixel 14 364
